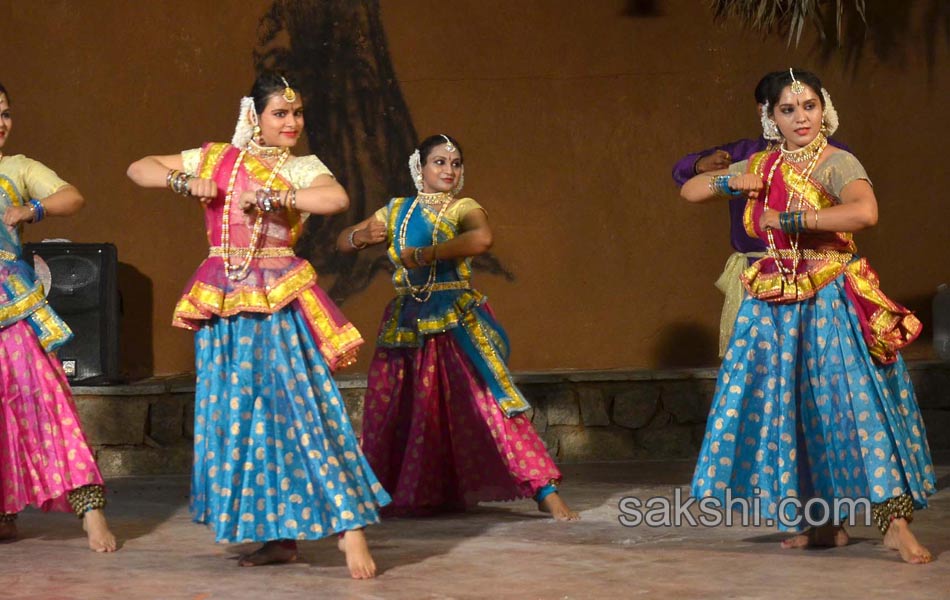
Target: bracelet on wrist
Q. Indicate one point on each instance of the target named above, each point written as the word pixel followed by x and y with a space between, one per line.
pixel 417 256
pixel 39 213
pixel 352 240
pixel 719 186
pixel 179 182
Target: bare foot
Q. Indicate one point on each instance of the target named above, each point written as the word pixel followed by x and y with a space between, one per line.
pixel 899 537
pixel 97 530
pixel 270 553
pixel 358 558
pixel 825 536
pixel 7 531
pixel 554 504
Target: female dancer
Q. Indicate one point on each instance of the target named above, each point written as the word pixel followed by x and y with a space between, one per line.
pixel 443 424
pixel 44 458
pixel 813 399
pixel 276 459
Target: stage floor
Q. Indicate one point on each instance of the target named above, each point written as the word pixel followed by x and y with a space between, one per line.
pixel 500 550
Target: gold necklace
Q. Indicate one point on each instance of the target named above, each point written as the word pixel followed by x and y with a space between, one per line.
pixel 805 153
pixel 255 149
pixel 425 289
pixel 435 197
pixel 239 272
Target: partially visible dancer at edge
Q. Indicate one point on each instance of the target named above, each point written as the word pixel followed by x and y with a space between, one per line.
pixel 44 458
pixel 276 459
pixel 746 249
pixel 813 399
pixel 444 424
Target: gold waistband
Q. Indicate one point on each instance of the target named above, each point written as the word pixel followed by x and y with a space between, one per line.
pixel 809 254
pixel 4 255
pixel 436 287
pixel 218 252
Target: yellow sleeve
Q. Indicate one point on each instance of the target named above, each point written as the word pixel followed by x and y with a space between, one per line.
pixel 457 211
pixel 39 180
pixel 382 214
pixel 302 170
pixel 190 159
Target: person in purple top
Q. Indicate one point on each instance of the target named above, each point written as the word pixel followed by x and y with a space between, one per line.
pixel 746 249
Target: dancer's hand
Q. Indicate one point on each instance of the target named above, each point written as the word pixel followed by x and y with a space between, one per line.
pixel 749 184
pixel 373 233
pixel 248 201
pixel 769 220
pixel 15 215
pixel 719 159
pixel 204 189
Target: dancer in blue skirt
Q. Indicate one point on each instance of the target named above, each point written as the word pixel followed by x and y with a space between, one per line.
pixel 276 459
pixel 813 400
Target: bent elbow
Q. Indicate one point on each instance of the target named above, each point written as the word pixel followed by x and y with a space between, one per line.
pixel 485 242
pixel 78 202
pixel 134 171
pixel 343 204
pixel 870 218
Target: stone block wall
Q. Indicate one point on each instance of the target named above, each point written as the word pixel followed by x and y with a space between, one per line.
pixel 148 428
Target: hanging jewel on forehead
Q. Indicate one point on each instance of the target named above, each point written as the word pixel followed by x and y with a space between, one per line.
pixel 797 86
pixel 449 146
pixel 289 94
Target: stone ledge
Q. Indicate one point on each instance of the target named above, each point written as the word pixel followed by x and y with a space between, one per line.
pixel 147 427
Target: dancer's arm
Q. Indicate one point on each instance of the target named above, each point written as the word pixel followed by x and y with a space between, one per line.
pixel 857 211
pixel 698 188
pixel 63 202
pixel 367 232
pixel 152 172
pixel 475 239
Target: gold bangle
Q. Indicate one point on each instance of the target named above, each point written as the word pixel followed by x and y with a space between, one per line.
pixel 816 218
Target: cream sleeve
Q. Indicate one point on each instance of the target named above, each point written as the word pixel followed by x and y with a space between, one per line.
pixel 302 170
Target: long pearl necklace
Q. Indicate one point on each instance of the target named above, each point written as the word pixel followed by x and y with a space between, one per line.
pixel 789 275
pixel 239 272
pixel 425 290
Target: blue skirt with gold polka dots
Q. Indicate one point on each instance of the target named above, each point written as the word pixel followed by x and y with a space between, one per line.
pixel 275 454
pixel 802 411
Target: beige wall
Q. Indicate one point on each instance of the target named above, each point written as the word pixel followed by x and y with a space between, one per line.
pixel 571 115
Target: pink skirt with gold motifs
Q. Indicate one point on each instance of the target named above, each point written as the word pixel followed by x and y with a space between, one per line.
pixel 43 452
pixel 437 439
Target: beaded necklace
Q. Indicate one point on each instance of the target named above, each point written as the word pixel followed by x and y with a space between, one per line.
pixel 239 272
pixel 425 290
pixel 794 194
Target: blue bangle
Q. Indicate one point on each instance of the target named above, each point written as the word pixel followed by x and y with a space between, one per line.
pixel 720 185
pixel 39 213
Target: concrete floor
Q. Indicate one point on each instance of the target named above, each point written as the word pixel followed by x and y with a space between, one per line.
pixel 501 550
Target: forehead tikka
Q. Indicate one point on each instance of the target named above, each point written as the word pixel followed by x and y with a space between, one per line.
pixel 797 86
pixel 289 94
pixel 448 143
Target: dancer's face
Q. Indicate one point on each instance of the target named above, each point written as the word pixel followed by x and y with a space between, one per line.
pixel 6 120
pixel 281 122
pixel 798 116
pixel 442 170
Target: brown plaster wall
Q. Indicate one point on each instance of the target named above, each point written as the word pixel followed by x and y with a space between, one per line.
pixel 571 115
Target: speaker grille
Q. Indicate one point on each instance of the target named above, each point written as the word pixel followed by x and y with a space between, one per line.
pixel 83 291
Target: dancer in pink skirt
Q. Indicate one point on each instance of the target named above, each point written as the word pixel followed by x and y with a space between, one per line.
pixel 443 425
pixel 44 459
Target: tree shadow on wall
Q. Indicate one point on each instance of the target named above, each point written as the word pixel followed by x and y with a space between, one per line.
pixel 357 121
pixel 889 31
pixel 686 345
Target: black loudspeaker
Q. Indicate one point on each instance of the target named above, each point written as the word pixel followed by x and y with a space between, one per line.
pixel 83 291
